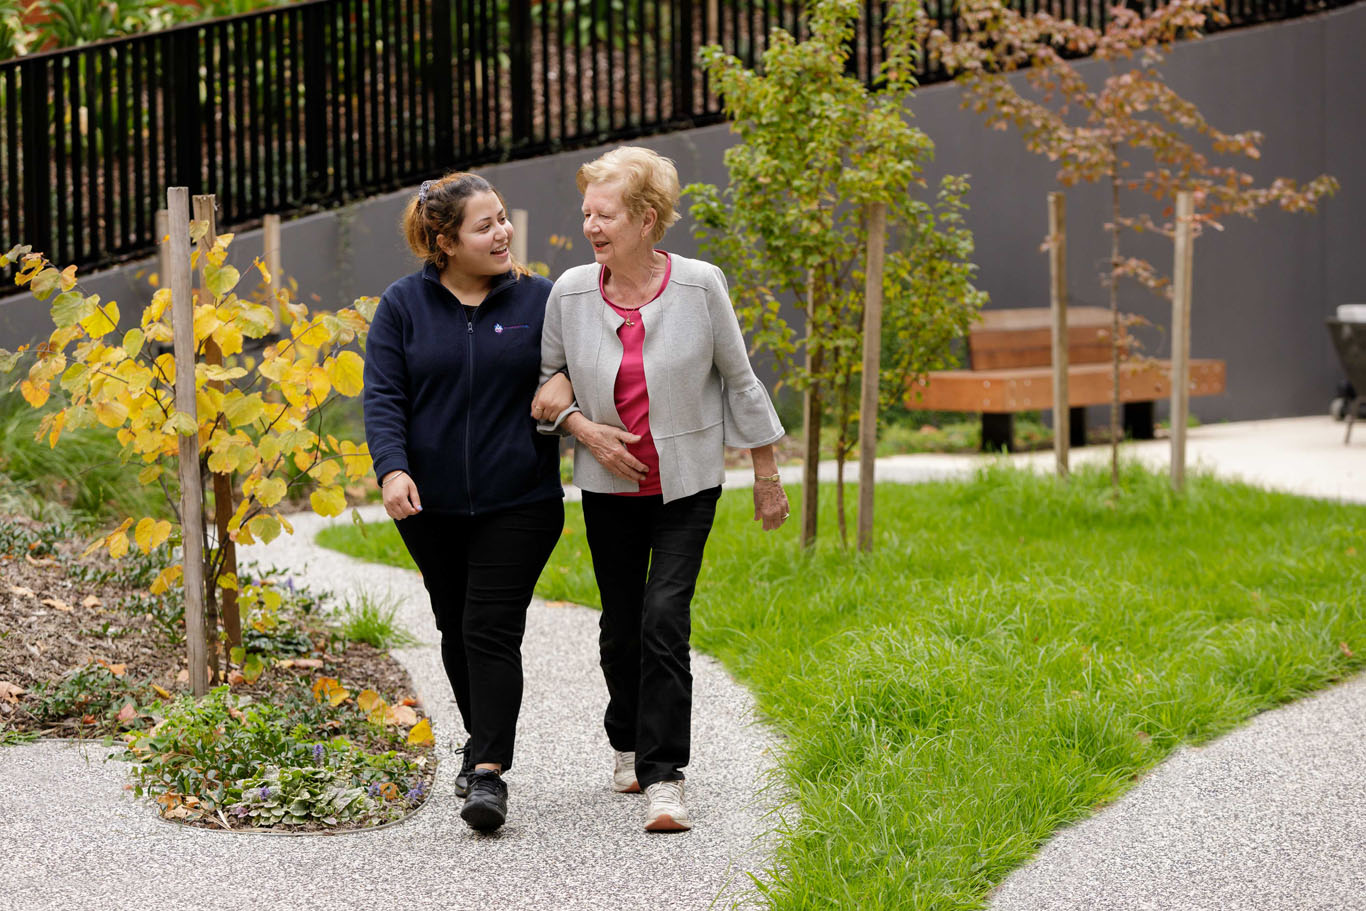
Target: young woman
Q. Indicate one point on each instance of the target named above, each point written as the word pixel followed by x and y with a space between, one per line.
pixel 451 364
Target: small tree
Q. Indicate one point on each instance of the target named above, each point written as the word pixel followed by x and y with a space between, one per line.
pixel 258 414
pixel 1090 131
pixel 816 147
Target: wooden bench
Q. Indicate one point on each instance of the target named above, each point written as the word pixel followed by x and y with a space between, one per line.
pixel 1011 356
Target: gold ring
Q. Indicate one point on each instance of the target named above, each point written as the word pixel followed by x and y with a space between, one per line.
pixel 786 514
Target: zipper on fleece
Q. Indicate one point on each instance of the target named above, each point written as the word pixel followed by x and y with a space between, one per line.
pixel 469 404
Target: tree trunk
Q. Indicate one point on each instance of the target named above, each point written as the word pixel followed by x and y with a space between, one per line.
pixel 811 408
pixel 841 452
pixel 1114 322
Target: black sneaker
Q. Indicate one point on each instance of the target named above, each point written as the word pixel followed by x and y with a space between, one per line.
pixel 462 781
pixel 487 806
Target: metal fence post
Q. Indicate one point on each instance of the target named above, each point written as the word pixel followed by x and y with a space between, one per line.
pixel 33 102
pixel 315 102
pixel 684 51
pixel 440 82
pixel 187 126
pixel 519 58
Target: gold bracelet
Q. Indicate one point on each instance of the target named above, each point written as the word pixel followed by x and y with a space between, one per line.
pixel 767 477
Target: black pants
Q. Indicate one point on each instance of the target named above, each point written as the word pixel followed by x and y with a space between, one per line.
pixel 480 572
pixel 646 556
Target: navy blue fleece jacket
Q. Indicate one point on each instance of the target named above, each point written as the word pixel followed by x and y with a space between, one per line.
pixel 448 399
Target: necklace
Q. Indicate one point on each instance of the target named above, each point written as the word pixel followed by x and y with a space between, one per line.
pixel 656 272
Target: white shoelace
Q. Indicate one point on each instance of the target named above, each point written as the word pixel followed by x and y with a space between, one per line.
pixel 666 797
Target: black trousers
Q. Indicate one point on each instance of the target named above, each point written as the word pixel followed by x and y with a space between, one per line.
pixel 480 572
pixel 646 556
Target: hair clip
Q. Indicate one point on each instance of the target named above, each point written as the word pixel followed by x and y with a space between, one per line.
pixel 422 191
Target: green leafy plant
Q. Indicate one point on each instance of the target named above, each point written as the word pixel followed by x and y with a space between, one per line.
pixel 816 146
pixel 17 37
pixel 97 693
pixel 207 756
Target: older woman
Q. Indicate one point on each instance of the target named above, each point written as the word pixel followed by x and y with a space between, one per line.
pixel 663 384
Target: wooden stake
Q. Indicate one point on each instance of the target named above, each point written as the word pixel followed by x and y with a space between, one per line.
pixel 811 424
pixel 1181 333
pixel 1057 266
pixel 191 494
pixel 872 371
pixel 520 227
pixel 163 248
pixel 205 210
pixel 271 248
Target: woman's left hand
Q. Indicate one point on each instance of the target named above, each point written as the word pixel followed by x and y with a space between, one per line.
pixel 555 395
pixel 770 504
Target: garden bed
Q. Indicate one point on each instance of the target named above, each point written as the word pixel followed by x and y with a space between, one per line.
pixel 308 713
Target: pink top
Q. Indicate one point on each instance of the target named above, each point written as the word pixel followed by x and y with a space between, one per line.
pixel 630 394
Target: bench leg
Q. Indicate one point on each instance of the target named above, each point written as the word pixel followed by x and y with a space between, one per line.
pixel 1076 426
pixel 998 432
pixel 1138 420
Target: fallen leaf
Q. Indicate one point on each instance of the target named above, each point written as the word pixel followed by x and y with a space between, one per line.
pixel 21 592
pixel 1143 736
pixel 368 700
pixel 10 692
pixel 1345 650
pixel 88 719
pixel 421 733
pixel 118 670
pixel 162 692
pixel 45 561
pixel 57 603
pixel 183 676
pixel 308 662
pixel 285 662
pixel 408 701
pixel 128 712
pixel 401 715
pixel 91 601
pixel 236 678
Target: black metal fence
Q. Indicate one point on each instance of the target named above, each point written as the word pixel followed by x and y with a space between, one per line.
pixel 309 105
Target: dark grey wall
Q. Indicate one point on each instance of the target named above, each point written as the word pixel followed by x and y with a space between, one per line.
pixel 1261 291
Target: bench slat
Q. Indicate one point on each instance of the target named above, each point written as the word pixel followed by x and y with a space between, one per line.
pixel 1003 391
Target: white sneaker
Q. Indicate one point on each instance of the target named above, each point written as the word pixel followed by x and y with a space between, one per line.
pixel 667 811
pixel 624 773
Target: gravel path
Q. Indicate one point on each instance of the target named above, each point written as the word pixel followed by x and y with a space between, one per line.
pixel 71 837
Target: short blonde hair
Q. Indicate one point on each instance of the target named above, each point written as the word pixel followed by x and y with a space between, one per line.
pixel 648 181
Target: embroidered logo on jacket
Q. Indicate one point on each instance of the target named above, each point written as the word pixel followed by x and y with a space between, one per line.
pixel 499 327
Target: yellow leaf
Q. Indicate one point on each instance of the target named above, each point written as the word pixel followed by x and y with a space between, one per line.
pixel 242 409
pixel 149 474
pixel 421 733
pixel 132 342
pixel 267 528
pixel 228 580
pixel 346 373
pixel 180 423
pixel 368 700
pixel 318 385
pixel 58 422
pixel 118 544
pixel 153 312
pixel 328 501
pixel 228 338
pixel 337 695
pixel 271 491
pixel 150 533
pixel 165 579
pixel 35 395
pixel 111 414
pixel 103 321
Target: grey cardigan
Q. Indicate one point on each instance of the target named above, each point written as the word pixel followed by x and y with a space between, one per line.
pixel 704 395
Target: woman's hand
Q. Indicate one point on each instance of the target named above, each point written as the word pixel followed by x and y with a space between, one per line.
pixel 555 395
pixel 400 495
pixel 770 504
pixel 608 446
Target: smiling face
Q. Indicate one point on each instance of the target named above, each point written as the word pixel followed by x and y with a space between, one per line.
pixel 481 246
pixel 617 236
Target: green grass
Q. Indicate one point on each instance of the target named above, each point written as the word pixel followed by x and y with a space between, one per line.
pixel 372 618
pixel 1013 654
pixel 83 475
